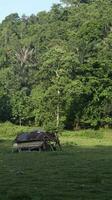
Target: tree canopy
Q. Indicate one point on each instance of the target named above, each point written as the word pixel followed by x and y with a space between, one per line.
pixel 56 66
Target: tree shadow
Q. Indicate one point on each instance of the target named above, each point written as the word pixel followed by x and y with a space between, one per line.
pixel 76 172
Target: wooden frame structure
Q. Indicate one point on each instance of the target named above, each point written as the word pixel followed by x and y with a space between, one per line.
pixel 36 140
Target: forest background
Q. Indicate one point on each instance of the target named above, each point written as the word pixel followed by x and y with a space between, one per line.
pixel 56 66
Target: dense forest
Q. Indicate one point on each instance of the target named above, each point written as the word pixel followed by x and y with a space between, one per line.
pixel 56 66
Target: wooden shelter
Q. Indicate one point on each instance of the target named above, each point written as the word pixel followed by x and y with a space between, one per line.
pixel 36 140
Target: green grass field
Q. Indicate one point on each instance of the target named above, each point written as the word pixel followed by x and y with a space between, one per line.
pixel 81 171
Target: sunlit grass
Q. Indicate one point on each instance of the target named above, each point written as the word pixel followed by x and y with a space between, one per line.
pixel 81 171
pixel 87 138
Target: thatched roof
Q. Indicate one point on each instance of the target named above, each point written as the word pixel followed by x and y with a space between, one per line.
pixel 36 136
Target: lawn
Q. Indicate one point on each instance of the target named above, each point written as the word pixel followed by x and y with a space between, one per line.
pixel 81 171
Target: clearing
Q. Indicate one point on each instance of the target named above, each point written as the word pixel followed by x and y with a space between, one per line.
pixel 82 171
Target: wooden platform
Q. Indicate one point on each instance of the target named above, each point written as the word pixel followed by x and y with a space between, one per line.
pixel 28 146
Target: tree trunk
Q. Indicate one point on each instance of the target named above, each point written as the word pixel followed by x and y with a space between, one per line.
pixel 58 116
pixel 58 105
pixel 20 122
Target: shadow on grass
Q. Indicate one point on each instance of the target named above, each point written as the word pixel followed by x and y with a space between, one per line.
pixel 1 141
pixel 7 146
pixel 18 196
pixel 81 173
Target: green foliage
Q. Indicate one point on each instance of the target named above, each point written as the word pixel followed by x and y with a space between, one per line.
pixel 55 67
pixel 9 131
